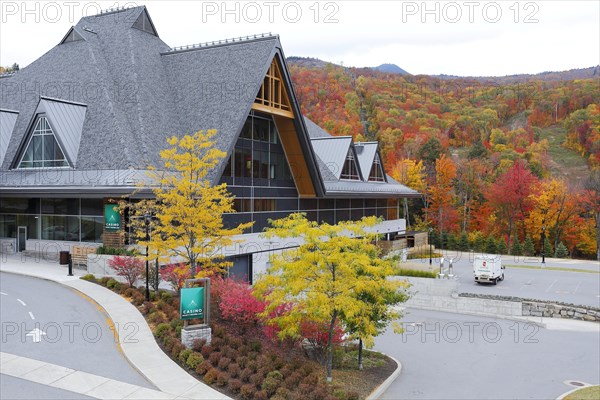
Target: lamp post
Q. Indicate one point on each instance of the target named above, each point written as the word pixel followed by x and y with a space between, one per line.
pixel 147 225
pixel 429 240
pixel 543 245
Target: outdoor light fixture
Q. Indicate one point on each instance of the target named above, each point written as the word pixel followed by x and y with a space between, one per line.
pixel 147 218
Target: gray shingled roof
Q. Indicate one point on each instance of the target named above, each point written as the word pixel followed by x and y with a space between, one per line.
pixel 366 154
pixel 7 123
pixel 332 151
pixel 138 92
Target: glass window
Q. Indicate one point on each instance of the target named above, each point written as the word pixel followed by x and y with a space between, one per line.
pixel 8 226
pixel 247 129
pixel 261 129
pixel 273 135
pixel 60 206
pixel 19 206
pixel 350 170
pixel 91 229
pixel 43 151
pixel 92 207
pixel 376 174
pixel 59 227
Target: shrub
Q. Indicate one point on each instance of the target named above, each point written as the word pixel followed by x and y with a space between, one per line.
pixel 194 360
pixel 222 378
pixel 237 304
pixel 111 283
pixel 214 357
pixel 130 268
pixel 281 394
pixel 415 272
pixel 89 278
pixel 197 344
pixel 242 361
pixel 247 391
pixel 319 392
pixel 463 242
pixel 234 385
pixel 490 246
pixel 256 379
pixel 353 396
pixel 223 363
pixel 270 385
pixel 165 296
pixel 246 374
pixel 292 381
pixel 211 376
pixel 261 395
pixel 161 329
pixel 176 274
pixel 204 367
pixel 234 370
pixel 255 345
pixel 177 347
pixel 340 394
pixel 206 350
pixel 114 251
pixel 184 354
pixel 501 246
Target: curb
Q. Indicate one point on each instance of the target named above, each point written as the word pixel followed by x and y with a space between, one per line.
pixel 179 385
pixel 562 396
pixel 379 390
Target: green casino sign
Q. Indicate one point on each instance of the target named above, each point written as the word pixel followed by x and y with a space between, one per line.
pixel 191 305
pixel 112 218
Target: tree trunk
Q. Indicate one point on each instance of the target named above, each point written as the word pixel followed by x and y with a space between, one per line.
pixel 330 348
pixel 360 347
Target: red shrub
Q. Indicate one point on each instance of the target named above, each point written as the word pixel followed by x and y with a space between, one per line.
pixel 224 363
pixel 237 304
pixel 235 385
pixel 130 268
pixel 204 367
pixel 248 391
pixel 176 274
pixel 222 378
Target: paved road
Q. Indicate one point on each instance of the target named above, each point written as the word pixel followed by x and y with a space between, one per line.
pixel 491 359
pixel 539 283
pixel 77 333
pixel 15 388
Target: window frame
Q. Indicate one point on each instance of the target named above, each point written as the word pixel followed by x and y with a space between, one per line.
pixel 38 120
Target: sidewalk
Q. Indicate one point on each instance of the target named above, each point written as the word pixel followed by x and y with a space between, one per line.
pixel 140 349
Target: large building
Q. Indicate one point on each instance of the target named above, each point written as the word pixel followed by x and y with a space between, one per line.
pixel 81 124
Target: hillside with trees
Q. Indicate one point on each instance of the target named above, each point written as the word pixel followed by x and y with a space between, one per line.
pixel 496 162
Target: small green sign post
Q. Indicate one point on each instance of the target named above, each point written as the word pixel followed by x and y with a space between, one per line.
pixel 195 301
pixel 191 305
pixel 112 218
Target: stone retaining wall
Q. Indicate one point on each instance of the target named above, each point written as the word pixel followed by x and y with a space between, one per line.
pixel 555 310
pixel 541 308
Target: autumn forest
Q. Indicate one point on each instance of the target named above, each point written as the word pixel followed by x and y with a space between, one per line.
pixel 497 163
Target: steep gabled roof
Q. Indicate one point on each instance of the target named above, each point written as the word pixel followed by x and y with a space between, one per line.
pixel 314 130
pixel 332 151
pixel 8 118
pixel 366 154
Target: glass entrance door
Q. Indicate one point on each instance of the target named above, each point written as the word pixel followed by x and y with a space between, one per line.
pixel 21 238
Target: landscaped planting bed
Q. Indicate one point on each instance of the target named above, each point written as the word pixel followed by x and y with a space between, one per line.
pixel 245 363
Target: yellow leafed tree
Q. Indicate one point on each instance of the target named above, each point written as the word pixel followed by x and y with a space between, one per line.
pixel 334 276
pixel 187 213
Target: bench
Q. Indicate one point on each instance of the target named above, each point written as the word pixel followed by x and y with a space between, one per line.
pixel 80 253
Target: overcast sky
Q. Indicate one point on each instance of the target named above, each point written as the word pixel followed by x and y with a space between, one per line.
pixel 467 38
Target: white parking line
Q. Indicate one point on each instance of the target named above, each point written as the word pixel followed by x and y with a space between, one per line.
pixel 550 287
pixel 31 315
pixel 577 287
pixel 22 302
pixel 3 294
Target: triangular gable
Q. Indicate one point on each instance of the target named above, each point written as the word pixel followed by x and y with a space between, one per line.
pixel 72 36
pixel 144 23
pixel 333 151
pixel 366 154
pixel 272 97
pixel 65 120
pixel 377 174
pixel 8 119
pixel 42 149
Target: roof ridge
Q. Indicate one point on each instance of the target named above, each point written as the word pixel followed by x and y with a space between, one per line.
pixel 75 103
pixel 332 137
pixel 113 10
pixel 222 42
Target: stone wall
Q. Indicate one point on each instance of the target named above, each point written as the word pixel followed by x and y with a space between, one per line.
pixel 549 309
pixel 558 310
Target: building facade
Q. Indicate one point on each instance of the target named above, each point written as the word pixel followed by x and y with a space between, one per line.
pixel 80 126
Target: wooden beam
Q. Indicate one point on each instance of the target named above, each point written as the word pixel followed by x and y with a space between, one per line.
pixel 295 156
pixel 272 110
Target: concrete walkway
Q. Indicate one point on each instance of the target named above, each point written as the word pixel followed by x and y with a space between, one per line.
pixel 135 337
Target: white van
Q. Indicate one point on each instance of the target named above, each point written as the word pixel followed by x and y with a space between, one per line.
pixel 488 269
